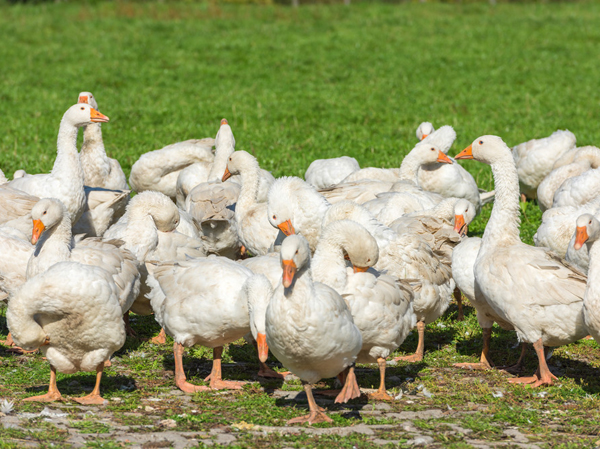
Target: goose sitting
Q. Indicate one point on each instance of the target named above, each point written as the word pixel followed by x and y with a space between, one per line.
pixel 319 339
pixel 98 169
pixel 380 305
pixel 324 173
pixel 71 312
pixel 529 287
pixel 158 170
pixel 252 223
pixel 535 159
pixel 424 129
pixel 588 232
pixel 65 181
pixel 584 159
pixel 223 318
pixel 362 190
pixel 15 209
pixel 578 190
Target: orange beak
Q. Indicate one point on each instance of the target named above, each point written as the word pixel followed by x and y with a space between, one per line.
pixel 224 122
pixel 46 341
pixel 424 135
pixel 289 271
pixel 580 237
pixel 226 175
pixel 467 153
pixel 459 224
pixel 38 228
pixel 286 227
pixel 359 269
pixel 83 99
pixel 443 158
pixel 97 116
pixel 263 348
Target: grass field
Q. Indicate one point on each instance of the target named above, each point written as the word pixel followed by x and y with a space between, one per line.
pixel 295 85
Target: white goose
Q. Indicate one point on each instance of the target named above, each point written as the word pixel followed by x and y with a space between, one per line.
pixel 65 181
pixel 578 190
pixel 72 314
pixel 310 328
pixel 252 223
pixel 528 287
pixel 380 305
pixel 98 169
pixel 535 159
pixel 584 159
pixel 325 173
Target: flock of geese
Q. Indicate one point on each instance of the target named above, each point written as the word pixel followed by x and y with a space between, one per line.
pixel 324 272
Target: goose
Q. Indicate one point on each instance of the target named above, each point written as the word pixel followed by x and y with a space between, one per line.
pixel 102 208
pixel 15 209
pixel 325 173
pixel 71 312
pixel 588 231
pixel 65 181
pixel 578 190
pixel 380 305
pixel 158 170
pixel 558 226
pixel 584 159
pixel 540 295
pixel 310 329
pixel 535 158
pixel 195 308
pixel 427 151
pixel 252 223
pixel 424 129
pixel 98 169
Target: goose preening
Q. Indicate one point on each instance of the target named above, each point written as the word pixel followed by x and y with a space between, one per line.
pixel 310 328
pixel 325 173
pixel 98 169
pixel 535 158
pixel 540 295
pixel 65 181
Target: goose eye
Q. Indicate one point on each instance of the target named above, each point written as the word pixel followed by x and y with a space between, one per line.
pixel 296 251
pixel 229 158
pixel 82 108
pixel 481 142
pixel 44 213
pixel 368 260
pixel 274 217
pixel 590 220
pixel 433 149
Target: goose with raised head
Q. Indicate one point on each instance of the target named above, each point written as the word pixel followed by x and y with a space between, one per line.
pixel 98 169
pixel 407 257
pixel 587 235
pixel 380 304
pixel 71 312
pixel 540 295
pixel 325 173
pixel 362 190
pixel 584 159
pixel 252 222
pixel 65 181
pixel 535 158
pixel 424 129
pixel 310 328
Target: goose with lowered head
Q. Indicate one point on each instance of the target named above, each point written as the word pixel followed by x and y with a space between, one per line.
pixel 324 173
pixel 65 181
pixel 529 287
pixel 310 328
pixel 98 169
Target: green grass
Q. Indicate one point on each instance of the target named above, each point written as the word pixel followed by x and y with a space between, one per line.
pixel 295 85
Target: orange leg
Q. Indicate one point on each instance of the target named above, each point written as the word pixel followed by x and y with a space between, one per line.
pixel 485 361
pixel 9 341
pixel 350 389
pixel 543 376
pixel 316 414
pixel 160 339
pixel 216 382
pixel 458 298
pixel 94 397
pixel 53 393
pixel 265 371
pixel 180 379
pixel 381 394
pixel 417 356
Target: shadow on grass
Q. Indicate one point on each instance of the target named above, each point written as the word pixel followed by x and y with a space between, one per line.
pixel 80 384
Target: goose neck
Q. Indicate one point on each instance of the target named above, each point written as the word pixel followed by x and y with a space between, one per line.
pixel 250 177
pixel 328 263
pixel 141 235
pixel 219 165
pixel 92 139
pixel 53 246
pixel 409 168
pixel 67 163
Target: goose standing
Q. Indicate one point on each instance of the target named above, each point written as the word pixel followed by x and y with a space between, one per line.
pixel 310 328
pixel 528 287
pixel 98 169
pixel 65 181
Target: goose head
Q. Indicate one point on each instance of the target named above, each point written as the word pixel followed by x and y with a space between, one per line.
pixel 424 130
pixel 224 136
pixel 238 160
pixel 258 292
pixel 46 214
pixel 295 256
pixel 588 230
pixel 358 244
pixel 87 98
pixel 160 207
pixel 464 213
pixel 486 149
pixel 82 114
pixel 434 147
